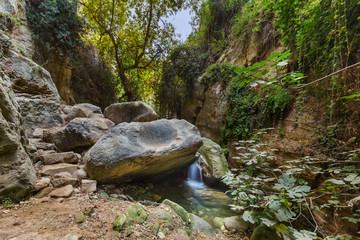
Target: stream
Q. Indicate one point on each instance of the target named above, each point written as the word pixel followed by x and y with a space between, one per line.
pixel 195 196
pixel 186 189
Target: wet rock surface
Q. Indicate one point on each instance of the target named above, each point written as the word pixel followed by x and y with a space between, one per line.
pixel 214 163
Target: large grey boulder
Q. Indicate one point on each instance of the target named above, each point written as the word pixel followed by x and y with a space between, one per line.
pixel 134 151
pixel 79 133
pixel 213 161
pixel 17 175
pixel 130 112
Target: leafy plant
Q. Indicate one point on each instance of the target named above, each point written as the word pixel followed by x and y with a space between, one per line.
pixel 223 73
pixel 264 198
pixel 7 203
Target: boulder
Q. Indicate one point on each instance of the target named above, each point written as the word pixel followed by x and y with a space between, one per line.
pixel 179 210
pixel 38 133
pixel 89 107
pixel 65 157
pixel 212 198
pixel 197 224
pixel 79 133
pixel 135 213
pixel 163 215
pixel 80 174
pixel 17 174
pixel 83 110
pixel 134 151
pixel 213 161
pixel 130 112
pixel 41 145
pixel 218 222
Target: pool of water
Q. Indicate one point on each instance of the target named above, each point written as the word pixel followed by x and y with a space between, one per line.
pixel 187 190
pixel 195 196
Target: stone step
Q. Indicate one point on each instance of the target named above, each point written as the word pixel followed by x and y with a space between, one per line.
pixel 38 133
pixel 64 157
pixel 40 144
pixel 51 170
pixel 64 178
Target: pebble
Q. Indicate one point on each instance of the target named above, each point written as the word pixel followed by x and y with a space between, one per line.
pixel 161 235
pixel 70 237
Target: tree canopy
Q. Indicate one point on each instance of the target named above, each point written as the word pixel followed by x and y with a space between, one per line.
pixel 133 35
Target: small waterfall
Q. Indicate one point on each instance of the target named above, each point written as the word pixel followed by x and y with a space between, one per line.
pixel 194 175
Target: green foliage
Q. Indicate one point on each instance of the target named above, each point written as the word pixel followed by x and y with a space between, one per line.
pixel 321 32
pixel 250 17
pixel 262 196
pixel 328 142
pixel 7 203
pixel 223 73
pixel 55 25
pixel 244 113
pixel 275 195
pixel 213 25
pixel 133 36
pixel 251 109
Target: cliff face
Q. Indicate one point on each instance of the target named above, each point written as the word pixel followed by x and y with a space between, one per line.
pixel 34 89
pixel 207 106
pixel 81 78
pixel 28 99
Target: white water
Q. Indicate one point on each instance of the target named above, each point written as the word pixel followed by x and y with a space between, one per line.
pixel 194 175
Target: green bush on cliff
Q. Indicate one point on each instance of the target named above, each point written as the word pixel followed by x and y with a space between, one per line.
pixel 55 24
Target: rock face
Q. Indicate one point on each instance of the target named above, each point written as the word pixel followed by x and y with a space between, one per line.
pixel 79 133
pixel 17 175
pixel 214 163
pixel 35 92
pixel 208 104
pixel 34 89
pixel 130 112
pixel 133 151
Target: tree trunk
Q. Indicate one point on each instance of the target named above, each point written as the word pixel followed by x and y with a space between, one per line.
pixel 127 87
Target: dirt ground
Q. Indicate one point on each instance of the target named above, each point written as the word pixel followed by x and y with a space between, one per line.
pixel 48 218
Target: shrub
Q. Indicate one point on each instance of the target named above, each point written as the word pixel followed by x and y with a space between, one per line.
pixel 55 24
